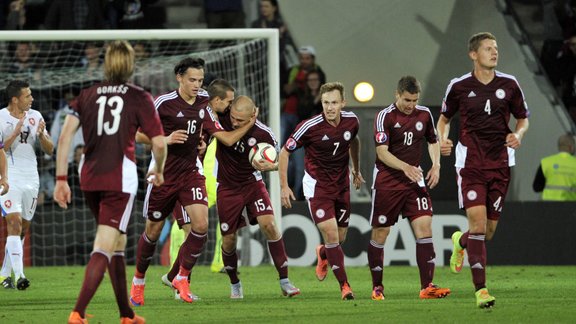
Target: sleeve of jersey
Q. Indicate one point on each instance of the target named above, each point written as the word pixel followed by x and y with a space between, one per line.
pixel 210 123
pixel 149 119
pixel 380 130
pixel 450 103
pixel 296 138
pixel 519 108
pixel 431 134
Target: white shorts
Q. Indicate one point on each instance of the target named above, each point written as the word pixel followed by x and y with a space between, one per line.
pixel 21 198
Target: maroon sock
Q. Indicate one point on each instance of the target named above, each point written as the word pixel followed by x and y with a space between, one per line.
pixel 376 262
pixel 92 278
pixel 278 253
pixel 144 255
pixel 335 257
pixel 117 273
pixel 175 267
pixel 323 252
pixel 230 261
pixel 191 249
pixel 464 239
pixel 477 259
pixel 425 258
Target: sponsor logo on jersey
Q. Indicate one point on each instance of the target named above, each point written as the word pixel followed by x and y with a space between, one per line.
pixel 201 113
pixel 251 141
pixel 291 144
pixel 472 195
pixel 500 94
pixel 381 137
pixel 347 135
pixel 325 137
pixel 419 126
pixel 471 94
pixel 320 213
pixel 397 125
pixel 180 114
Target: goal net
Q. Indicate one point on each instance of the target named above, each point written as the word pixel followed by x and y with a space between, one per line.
pixel 58 64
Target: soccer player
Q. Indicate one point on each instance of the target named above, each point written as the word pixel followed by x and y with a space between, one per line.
pixel 109 113
pixel 20 127
pixel 485 99
pixel 185 116
pixel 242 195
pixel 400 131
pixel 330 142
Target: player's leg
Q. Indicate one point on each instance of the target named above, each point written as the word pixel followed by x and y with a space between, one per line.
pixel 230 259
pixel 183 222
pixel 376 260
pixel 335 255
pixel 14 244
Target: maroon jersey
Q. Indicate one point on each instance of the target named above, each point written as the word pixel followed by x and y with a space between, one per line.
pixel 110 114
pixel 327 149
pixel 484 115
pixel 175 114
pixel 233 168
pixel 405 135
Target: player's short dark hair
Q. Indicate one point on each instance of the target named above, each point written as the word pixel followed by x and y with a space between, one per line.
pixel 332 86
pixel 409 84
pixel 219 88
pixel 189 62
pixel 119 62
pixel 14 88
pixel 476 39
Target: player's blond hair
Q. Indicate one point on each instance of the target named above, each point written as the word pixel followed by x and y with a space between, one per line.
pixel 332 86
pixel 476 39
pixel 119 62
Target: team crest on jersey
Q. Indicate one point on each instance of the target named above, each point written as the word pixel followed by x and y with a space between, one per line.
pixel 251 141
pixel 382 219
pixel 224 227
pixel 32 121
pixel 320 213
pixel 472 195
pixel 290 144
pixel 419 126
pixel 381 137
pixel 8 203
pixel 201 114
pixel 157 214
pixel 347 135
pixel 500 94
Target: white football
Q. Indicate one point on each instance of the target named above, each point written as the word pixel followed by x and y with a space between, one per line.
pixel 263 151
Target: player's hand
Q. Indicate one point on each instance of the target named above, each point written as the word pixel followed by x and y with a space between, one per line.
pixel 263 165
pixel 155 178
pixel 4 187
pixel 513 140
pixel 433 176
pixel 446 147
pixel 18 127
pixel 357 179
pixel 202 147
pixel 285 195
pixel 62 194
pixel 254 116
pixel 413 173
pixel 177 137
pixel 41 127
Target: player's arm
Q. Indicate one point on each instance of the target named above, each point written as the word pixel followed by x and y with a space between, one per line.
pixel 433 176
pixel 3 172
pixel 443 128
pixel 357 178
pixel 413 173
pixel 231 137
pixel 159 149
pixel 17 130
pixel 46 142
pixel 142 138
pixel 514 140
pixel 285 192
pixel 62 194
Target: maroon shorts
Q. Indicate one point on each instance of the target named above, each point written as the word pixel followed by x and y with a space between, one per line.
pixel 387 205
pixel 488 188
pixel 160 201
pixel 180 215
pixel 238 206
pixel 110 208
pixel 325 207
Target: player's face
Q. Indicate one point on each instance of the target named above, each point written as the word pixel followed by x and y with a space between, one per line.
pixel 190 82
pixel 332 104
pixel 239 118
pixel 406 101
pixel 25 99
pixel 220 104
pixel 486 57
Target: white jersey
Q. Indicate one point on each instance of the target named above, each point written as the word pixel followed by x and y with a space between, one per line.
pixel 21 155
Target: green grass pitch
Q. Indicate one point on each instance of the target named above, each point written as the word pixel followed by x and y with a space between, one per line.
pixel 524 294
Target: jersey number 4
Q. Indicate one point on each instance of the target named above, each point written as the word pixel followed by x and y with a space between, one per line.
pixel 115 104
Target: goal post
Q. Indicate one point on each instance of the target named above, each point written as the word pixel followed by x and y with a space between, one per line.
pixel 59 62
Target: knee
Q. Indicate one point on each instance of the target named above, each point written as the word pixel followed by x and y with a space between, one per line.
pixel 229 243
pixel 200 226
pixel 153 230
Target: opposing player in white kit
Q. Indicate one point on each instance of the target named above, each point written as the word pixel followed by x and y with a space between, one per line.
pixel 20 128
